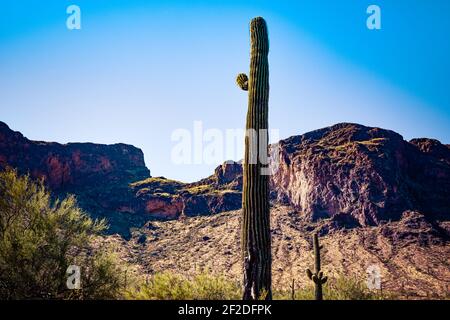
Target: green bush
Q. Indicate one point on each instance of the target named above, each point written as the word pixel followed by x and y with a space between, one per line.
pixel 204 286
pixel 40 238
pixel 337 288
pixel 342 288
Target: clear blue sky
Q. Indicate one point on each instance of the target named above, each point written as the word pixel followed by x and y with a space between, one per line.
pixel 137 70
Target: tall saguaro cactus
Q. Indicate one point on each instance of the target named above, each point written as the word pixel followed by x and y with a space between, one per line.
pixel 317 277
pixel 255 226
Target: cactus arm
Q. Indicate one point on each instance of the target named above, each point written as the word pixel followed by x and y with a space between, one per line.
pixel 242 81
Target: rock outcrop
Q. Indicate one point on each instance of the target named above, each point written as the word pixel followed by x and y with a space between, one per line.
pixel 99 175
pixel 360 175
pixel 164 198
pixel 73 165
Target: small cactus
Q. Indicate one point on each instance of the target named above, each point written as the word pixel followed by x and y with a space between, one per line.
pixel 317 277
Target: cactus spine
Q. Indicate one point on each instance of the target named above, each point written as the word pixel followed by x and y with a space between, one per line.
pixel 317 277
pixel 255 225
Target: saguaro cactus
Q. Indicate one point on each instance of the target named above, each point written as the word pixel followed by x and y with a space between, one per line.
pixel 255 232
pixel 317 277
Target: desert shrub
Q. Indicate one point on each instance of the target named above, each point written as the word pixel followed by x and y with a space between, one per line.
pixel 204 286
pixel 344 288
pixel 41 237
pixel 105 276
pixel 336 288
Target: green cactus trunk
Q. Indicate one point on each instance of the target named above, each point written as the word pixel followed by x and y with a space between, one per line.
pixel 318 284
pixel 255 226
pixel 317 277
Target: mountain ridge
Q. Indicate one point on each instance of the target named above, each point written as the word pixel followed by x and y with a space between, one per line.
pixel 347 174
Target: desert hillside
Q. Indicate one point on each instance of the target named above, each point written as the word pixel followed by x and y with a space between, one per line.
pixel 411 253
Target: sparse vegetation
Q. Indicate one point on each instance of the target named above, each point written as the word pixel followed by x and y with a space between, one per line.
pixel 204 286
pixel 337 288
pixel 207 286
pixel 156 181
pixel 343 147
pixel 204 188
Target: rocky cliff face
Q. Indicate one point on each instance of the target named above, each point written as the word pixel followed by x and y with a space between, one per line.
pixel 348 174
pixel 358 175
pixel 99 175
pixel 164 198
pixel 73 165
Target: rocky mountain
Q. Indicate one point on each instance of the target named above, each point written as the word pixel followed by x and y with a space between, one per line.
pixel 112 181
pixel 348 175
pixel 71 166
pixel 360 176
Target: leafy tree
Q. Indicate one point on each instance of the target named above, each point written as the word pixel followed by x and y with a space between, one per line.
pixel 40 238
